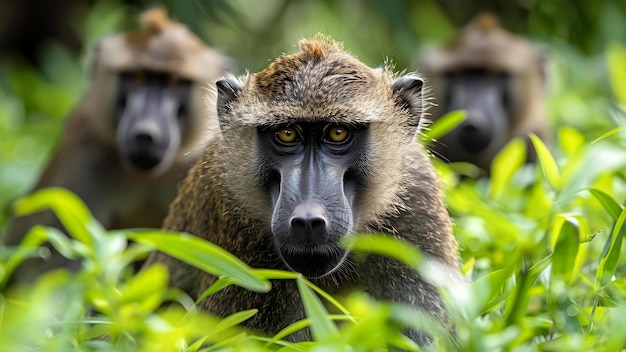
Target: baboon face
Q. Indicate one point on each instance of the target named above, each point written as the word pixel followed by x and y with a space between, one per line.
pixel 152 112
pixel 312 184
pixel 308 139
pixel 485 97
pixel 497 78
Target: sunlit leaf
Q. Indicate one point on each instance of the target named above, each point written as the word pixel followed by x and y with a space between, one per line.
pixel 571 140
pixel 442 126
pixel 609 258
pixel 616 57
pixel 71 211
pixel 505 164
pixel 566 249
pixel 385 245
pixel 146 288
pixel 610 205
pixel 538 203
pixel 609 134
pixel 236 319
pixel 548 164
pixel 322 328
pixel 203 255
pixel 28 247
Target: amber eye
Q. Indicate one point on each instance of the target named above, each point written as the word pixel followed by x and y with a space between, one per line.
pixel 286 134
pixel 337 134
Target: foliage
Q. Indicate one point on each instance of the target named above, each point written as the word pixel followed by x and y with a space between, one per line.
pixel 540 245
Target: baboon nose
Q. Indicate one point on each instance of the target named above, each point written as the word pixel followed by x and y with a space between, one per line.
pixel 146 133
pixel 474 138
pixel 144 138
pixel 308 222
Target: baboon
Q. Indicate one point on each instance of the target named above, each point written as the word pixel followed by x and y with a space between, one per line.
pixel 139 127
pixel 314 148
pixel 498 78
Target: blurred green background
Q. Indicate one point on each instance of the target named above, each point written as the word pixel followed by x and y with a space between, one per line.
pixel 564 214
pixel 44 48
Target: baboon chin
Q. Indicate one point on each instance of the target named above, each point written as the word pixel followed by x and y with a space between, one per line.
pixel 314 148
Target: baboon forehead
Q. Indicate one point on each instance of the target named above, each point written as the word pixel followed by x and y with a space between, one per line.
pixel 162 38
pixel 483 43
pixel 321 70
pixel 159 45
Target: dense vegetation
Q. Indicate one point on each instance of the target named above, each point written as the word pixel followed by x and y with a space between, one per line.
pixel 541 245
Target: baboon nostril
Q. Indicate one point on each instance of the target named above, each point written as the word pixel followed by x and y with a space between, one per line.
pixel 308 222
pixel 318 227
pixel 144 138
pixel 313 226
pixel 298 224
pixel 474 138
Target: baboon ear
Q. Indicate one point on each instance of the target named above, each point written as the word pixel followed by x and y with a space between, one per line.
pixel 227 90
pixel 408 91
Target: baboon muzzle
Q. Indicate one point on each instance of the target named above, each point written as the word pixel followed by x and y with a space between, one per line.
pixel 306 231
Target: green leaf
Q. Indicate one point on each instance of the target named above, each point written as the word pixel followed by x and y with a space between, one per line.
pixel 27 248
pixel 442 126
pixel 490 288
pixel 510 159
pixel 548 164
pixel 570 140
pixel 235 319
pixel 609 257
pixel 288 330
pixel 566 249
pixel 71 211
pixel 322 327
pixel 518 302
pixel 271 274
pixel 608 203
pixel 609 134
pixel 217 286
pixel 203 255
pixel 146 288
pixel 385 245
pixel 616 57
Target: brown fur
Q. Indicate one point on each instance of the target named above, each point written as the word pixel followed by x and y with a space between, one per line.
pixel 86 160
pixel 222 201
pixel 484 44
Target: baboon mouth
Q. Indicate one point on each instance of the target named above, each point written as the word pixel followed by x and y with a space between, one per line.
pixel 313 263
pixel 144 160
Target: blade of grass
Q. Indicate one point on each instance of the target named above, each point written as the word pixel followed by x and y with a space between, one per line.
pixel 322 328
pixel 609 257
pixel 203 255
pixel 566 250
pixel 548 164
pixel 608 203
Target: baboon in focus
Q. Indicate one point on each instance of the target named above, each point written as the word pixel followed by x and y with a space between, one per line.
pixel 140 126
pixel 498 78
pixel 314 148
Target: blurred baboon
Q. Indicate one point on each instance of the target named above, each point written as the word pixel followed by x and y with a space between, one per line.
pixel 314 148
pixel 141 124
pixel 498 78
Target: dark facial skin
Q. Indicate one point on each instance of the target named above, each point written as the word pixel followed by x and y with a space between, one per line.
pixel 484 95
pixel 313 186
pixel 152 109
